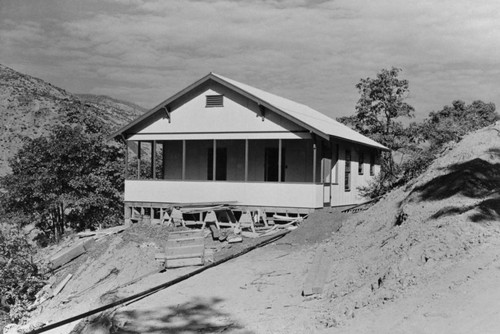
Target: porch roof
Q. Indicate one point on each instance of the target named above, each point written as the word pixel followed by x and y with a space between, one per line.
pixel 301 114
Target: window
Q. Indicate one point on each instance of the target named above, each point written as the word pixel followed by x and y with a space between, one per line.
pixel 372 164
pixel 214 101
pixel 361 163
pixel 347 179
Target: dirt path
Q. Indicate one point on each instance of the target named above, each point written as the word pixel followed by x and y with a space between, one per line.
pixel 259 292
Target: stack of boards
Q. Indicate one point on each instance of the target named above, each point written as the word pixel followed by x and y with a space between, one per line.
pixel 183 248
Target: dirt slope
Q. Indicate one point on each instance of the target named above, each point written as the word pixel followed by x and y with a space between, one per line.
pixel 421 233
pixel 425 259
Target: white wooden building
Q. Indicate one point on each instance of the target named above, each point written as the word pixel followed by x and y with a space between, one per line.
pixel 221 141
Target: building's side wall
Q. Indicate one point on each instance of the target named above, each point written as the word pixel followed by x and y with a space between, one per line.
pixel 340 196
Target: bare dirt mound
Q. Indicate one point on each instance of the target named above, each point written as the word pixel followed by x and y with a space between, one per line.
pixel 418 233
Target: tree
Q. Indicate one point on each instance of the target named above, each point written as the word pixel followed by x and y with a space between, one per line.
pixel 72 177
pixel 453 122
pixel 380 105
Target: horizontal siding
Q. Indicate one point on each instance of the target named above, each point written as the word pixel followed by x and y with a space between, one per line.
pixel 293 195
pixel 341 197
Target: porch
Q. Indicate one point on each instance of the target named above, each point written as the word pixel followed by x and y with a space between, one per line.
pixel 271 195
pixel 289 173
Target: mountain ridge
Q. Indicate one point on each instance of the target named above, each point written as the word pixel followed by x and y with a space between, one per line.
pixel 30 107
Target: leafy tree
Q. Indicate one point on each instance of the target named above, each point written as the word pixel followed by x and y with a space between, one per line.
pixel 72 177
pixel 379 108
pixel 378 112
pixel 453 122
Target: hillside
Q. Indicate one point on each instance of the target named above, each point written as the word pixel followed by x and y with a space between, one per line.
pixel 423 245
pixel 424 259
pixel 30 106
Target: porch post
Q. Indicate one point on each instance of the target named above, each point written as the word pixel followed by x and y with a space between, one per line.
pixel 126 159
pixel 279 160
pixel 314 158
pixel 214 156
pixel 153 159
pixel 138 160
pixel 164 159
pixel 183 159
pixel 246 160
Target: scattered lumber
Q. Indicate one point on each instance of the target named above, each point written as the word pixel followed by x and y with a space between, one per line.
pixel 142 294
pixel 66 255
pixel 234 239
pixel 250 234
pixel 361 207
pixel 61 285
pixel 103 232
pixel 215 231
pixel 183 248
pixel 316 276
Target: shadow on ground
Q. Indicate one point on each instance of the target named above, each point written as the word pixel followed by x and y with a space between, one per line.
pixel 196 316
pixel 476 178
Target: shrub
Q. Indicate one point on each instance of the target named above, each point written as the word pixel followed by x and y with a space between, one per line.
pixel 20 277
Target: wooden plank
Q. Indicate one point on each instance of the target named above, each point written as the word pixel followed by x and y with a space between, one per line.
pixel 191 237
pixel 316 276
pixel 188 251
pixel 174 263
pixel 185 242
pixel 61 285
pixel 250 234
pixel 184 256
pixel 160 256
pixel 215 231
pixel 66 255
pixel 185 234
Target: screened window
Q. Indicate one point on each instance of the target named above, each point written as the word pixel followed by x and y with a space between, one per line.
pixel 372 164
pixel 347 180
pixel 361 163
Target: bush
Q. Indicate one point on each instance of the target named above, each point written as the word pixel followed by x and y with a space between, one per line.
pixel 20 277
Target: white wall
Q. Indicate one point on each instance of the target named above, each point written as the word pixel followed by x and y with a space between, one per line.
pixel 298 195
pixel 238 115
pixel 339 195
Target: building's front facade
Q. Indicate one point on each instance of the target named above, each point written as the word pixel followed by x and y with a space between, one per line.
pixel 220 141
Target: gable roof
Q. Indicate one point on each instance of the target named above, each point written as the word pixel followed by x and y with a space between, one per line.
pixel 303 115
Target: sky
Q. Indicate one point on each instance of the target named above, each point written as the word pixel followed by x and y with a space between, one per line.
pixel 313 52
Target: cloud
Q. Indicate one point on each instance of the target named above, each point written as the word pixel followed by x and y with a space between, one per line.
pixel 311 51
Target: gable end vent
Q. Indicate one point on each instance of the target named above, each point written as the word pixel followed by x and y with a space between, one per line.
pixel 215 101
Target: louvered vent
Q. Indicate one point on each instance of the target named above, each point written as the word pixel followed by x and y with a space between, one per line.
pixel 214 101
